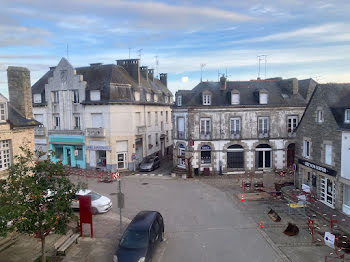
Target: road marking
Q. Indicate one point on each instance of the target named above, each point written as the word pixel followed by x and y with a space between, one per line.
pixel 160 174
pixel 137 174
pixel 152 174
pixel 145 174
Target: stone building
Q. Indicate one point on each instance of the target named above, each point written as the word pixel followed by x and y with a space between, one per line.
pixel 323 147
pixel 16 118
pixel 239 126
pixel 108 116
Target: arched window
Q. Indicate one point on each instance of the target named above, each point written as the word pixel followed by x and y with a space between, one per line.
pixel 263 156
pixel 235 156
pixel 205 154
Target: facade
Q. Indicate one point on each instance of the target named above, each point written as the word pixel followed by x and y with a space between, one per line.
pixel 16 118
pixel 103 116
pixel 237 127
pixel 323 147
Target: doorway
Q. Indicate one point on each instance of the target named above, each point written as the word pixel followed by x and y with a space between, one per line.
pixel 290 155
pixel 69 160
pixel 181 156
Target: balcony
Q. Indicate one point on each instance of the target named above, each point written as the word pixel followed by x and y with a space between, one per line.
pixel 39 131
pixel 205 135
pixel 95 132
pixel 181 135
pixel 140 130
pixel 59 131
pixel 263 134
pixel 235 134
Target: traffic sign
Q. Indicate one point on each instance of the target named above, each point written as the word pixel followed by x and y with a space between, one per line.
pixel 116 175
pixel 133 156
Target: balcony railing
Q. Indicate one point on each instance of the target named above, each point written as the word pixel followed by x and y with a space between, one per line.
pixel 39 131
pixel 65 132
pixel 263 133
pixel 95 132
pixel 141 130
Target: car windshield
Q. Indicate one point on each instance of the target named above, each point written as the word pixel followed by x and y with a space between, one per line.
pixel 148 161
pixel 94 196
pixel 134 239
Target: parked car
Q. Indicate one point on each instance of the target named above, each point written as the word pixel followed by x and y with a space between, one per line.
pixel 140 238
pixel 99 203
pixel 150 163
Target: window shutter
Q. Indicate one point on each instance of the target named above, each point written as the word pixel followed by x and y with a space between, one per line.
pixel 328 154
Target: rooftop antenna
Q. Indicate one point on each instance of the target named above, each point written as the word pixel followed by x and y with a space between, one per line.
pixel 157 64
pixel 140 53
pixel 262 58
pixel 202 66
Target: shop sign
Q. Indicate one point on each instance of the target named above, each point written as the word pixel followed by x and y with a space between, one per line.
pixel 100 148
pixel 205 147
pixel 76 152
pixel 325 170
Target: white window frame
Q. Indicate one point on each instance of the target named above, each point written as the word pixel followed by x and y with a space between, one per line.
pixel 76 98
pixel 320 116
pixel 124 162
pixel 235 98
pixel 5 154
pixel 324 192
pixel 3 112
pixel 156 118
pixel 37 98
pixel 235 126
pixel 264 126
pixel 292 123
pixel 77 122
pixel 265 151
pixel 95 95
pixel 263 98
pixel 306 148
pixel 207 99
pixel 328 154
pixel 55 97
pixel 347 116
pixel 179 100
pixel 205 129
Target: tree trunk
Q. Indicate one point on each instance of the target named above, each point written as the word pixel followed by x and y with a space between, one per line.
pixel 43 257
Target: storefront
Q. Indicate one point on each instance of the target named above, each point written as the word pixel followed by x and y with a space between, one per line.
pixel 98 154
pixel 205 155
pixel 68 149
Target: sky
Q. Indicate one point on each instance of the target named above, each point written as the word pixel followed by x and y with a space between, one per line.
pixel 298 38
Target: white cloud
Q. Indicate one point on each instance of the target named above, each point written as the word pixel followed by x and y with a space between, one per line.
pixel 184 79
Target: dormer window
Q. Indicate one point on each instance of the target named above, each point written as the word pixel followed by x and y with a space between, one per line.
pixel 347 116
pixel 37 98
pixel 235 98
pixel 263 97
pixel 155 98
pixel 179 100
pixel 137 96
pixel 3 112
pixel 206 99
pixel 148 97
pixel 166 99
pixel 95 95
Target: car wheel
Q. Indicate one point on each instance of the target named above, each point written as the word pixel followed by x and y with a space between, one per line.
pixel 94 211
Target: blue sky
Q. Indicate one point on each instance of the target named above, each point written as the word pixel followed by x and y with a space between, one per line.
pixel 301 38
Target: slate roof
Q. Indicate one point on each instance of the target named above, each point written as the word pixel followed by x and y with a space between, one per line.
pixel 17 120
pixel 280 93
pixel 113 81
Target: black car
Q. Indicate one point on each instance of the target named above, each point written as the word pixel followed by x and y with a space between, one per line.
pixel 140 238
pixel 149 164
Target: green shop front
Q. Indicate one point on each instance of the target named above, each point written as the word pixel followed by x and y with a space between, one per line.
pixel 68 149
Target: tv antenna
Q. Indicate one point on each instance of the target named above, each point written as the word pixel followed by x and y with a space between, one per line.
pixel 262 58
pixel 157 64
pixel 140 53
pixel 202 66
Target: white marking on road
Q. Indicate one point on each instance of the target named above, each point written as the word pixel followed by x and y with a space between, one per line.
pixel 145 174
pixel 152 174
pixel 160 174
pixel 137 174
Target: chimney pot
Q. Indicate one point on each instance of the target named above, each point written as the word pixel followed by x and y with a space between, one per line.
pixel 163 77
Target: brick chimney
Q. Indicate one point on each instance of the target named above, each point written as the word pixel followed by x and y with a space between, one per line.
pixel 132 66
pixel 223 82
pixel 151 74
pixel 144 71
pixel 163 77
pixel 20 91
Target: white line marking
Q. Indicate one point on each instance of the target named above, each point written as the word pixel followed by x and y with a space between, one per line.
pixel 160 174
pixel 137 174
pixel 152 174
pixel 145 174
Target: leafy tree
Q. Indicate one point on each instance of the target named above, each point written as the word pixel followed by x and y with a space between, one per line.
pixel 36 197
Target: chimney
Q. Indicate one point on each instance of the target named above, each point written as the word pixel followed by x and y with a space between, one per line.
pixel 20 91
pixel 144 71
pixel 163 77
pixel 295 86
pixel 151 74
pixel 132 66
pixel 223 82
pixel 52 67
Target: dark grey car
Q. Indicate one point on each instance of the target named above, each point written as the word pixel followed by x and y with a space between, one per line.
pixel 150 163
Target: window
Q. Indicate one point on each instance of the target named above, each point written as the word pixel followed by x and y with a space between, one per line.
pixel 155 98
pixel 76 121
pixel 39 118
pixel 3 113
pixel 55 97
pixel 235 99
pixel 97 120
pixel 180 127
pixel 150 142
pixel 156 118
pixel 205 154
pixel 328 154
pixel 37 98
pixel 292 123
pixel 122 152
pixel 138 118
pixel 205 126
pixel 5 157
pixel 80 153
pixel 347 116
pixel 76 96
pixel 235 156
pixel 346 200
pixel 263 156
pixel 122 163
pixel 166 116
pixel 206 99
pixel 167 136
pixel 95 95
pixel 161 126
pixel 56 121
pixel 306 148
pixel 263 97
pixel 235 125
pixel 319 116
pixel 327 192
pixel 148 97
pixel 156 139
pixel 59 152
pixel 179 100
pixel 263 126
pixel 166 99
pixel 149 118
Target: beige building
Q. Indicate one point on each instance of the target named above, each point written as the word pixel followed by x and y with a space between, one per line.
pixel 16 118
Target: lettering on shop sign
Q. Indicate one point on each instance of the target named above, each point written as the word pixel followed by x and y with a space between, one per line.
pixel 325 170
pixel 102 148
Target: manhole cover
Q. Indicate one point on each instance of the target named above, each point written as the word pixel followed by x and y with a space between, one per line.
pixel 144 184
pixel 113 194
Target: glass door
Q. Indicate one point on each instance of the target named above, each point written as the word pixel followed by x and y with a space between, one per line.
pixel 327 192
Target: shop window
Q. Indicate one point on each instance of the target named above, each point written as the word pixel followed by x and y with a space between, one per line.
pixel 101 158
pixel 205 154
pixel 235 156
pixel 59 152
pixel 5 156
pixel 79 156
pixel 263 156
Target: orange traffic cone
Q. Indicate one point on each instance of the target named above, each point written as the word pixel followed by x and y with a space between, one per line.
pixel 261 224
pixel 242 198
